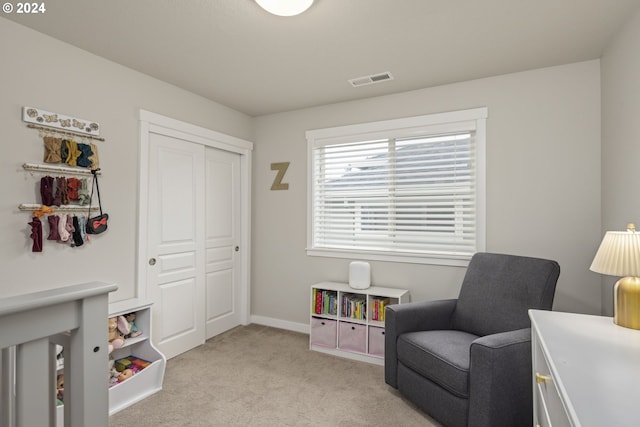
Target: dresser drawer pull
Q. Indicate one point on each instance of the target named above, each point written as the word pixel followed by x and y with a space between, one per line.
pixel 542 378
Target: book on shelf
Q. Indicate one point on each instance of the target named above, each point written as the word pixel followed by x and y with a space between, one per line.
pixel 318 301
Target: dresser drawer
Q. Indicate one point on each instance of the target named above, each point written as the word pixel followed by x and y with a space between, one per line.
pixel 550 410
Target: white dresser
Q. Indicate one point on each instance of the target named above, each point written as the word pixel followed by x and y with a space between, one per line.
pixel 586 371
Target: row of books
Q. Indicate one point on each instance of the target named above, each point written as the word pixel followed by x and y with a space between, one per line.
pixel 377 308
pixel 353 306
pixel 325 302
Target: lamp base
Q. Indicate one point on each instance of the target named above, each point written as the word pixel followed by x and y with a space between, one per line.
pixel 626 302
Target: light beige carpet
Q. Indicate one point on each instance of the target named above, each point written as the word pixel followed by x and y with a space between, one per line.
pixel 260 376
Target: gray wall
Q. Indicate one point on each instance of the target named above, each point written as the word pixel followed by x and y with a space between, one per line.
pixel 543 187
pixel 620 138
pixel 42 72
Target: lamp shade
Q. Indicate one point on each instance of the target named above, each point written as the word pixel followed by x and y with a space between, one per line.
pixel 285 7
pixel 619 254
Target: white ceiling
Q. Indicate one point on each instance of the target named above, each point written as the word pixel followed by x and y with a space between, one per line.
pixel 234 53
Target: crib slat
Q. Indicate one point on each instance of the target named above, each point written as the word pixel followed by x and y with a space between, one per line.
pixel 34 391
pixel 86 387
pixel 7 380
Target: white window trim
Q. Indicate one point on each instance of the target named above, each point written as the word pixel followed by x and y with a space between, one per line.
pixel 471 119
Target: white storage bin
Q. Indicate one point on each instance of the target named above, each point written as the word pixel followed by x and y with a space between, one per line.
pixel 323 332
pixel 352 337
pixel 376 341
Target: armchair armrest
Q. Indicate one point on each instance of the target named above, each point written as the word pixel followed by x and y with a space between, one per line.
pixel 415 316
pixel 500 379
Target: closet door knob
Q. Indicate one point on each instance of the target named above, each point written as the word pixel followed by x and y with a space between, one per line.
pixel 152 261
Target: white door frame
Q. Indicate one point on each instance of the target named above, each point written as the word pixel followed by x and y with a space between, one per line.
pixel 156 123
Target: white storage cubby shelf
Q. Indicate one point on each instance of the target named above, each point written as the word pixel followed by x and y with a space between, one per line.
pixel 349 322
pixel 144 383
pixel 149 380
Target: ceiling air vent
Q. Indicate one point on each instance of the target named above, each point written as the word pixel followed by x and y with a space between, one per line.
pixel 369 80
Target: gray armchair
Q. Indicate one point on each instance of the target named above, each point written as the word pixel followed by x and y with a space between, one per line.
pixel 467 361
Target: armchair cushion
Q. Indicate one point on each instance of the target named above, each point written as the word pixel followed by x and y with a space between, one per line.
pixel 498 290
pixel 440 356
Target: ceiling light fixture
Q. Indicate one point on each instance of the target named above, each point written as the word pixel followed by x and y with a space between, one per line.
pixel 285 7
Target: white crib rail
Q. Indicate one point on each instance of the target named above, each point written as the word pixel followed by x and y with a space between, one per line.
pixel 30 325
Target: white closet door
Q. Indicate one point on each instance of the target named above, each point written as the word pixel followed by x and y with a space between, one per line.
pixel 223 227
pixel 176 230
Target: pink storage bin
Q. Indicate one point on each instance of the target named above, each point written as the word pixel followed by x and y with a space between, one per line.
pixel 323 332
pixel 352 337
pixel 376 341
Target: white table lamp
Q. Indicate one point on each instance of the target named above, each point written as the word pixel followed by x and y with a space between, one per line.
pixel 619 255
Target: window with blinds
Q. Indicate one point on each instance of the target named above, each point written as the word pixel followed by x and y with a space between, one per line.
pixel 396 191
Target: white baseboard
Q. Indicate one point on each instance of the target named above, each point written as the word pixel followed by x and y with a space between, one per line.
pixel 280 324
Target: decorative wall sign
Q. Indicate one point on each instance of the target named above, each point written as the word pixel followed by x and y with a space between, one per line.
pixel 59 121
pixel 277 182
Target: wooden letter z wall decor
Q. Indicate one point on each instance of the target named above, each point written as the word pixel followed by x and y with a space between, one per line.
pixel 277 182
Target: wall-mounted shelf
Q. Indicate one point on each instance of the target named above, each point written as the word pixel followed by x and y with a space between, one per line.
pixel 33 207
pixel 64 132
pixel 57 169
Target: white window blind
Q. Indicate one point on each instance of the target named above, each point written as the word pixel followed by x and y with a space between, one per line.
pixel 410 194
